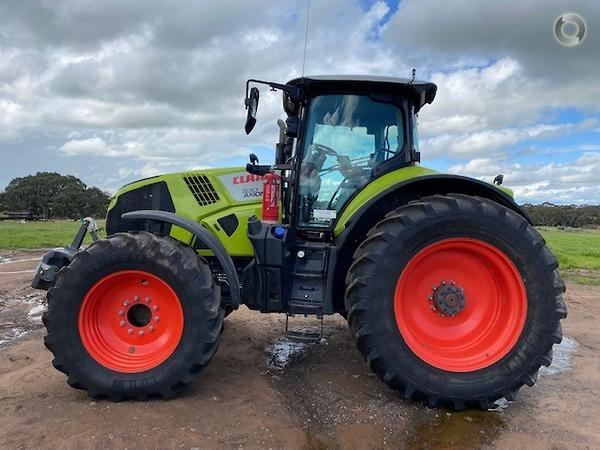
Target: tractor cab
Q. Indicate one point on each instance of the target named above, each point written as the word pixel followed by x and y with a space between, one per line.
pixel 340 134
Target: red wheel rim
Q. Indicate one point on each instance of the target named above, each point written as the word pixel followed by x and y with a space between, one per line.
pixel 130 321
pixel 494 304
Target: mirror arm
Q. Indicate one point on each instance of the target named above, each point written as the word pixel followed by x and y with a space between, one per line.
pixel 293 91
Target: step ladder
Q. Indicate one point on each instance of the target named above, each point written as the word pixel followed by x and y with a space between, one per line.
pixel 303 334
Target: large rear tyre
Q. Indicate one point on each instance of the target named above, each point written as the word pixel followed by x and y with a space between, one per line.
pixel 455 299
pixel 134 316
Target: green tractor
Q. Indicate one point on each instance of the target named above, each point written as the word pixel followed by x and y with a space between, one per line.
pixel 451 295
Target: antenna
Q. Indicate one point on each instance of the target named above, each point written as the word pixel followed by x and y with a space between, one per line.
pixel 306 35
pixel 412 78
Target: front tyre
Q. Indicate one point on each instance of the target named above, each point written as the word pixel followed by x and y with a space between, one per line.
pixel 134 316
pixel 455 299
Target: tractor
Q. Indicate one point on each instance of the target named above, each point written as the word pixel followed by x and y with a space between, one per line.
pixel 451 295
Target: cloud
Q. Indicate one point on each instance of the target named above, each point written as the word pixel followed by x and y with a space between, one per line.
pixel 144 87
pixel 572 182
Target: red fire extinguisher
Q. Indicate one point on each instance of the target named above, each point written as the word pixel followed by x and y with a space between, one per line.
pixel 270 205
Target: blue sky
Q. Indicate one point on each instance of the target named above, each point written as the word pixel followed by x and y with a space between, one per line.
pixel 113 91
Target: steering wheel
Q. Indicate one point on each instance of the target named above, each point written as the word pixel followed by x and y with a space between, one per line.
pixel 323 148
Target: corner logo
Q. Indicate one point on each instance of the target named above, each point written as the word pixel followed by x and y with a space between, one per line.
pixel 577 30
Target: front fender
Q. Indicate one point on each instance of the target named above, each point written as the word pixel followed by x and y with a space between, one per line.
pixel 202 235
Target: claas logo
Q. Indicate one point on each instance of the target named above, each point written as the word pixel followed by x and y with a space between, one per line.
pixel 248 178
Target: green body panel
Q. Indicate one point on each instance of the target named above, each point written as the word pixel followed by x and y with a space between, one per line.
pixel 229 181
pixel 186 205
pixel 374 188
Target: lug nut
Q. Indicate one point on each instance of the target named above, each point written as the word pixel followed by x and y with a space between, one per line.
pixel 156 318
pixel 430 298
pixel 130 331
pixel 135 298
pixel 122 323
pixel 151 327
pixel 147 300
pixel 121 311
pixel 141 332
pixel 126 303
pixel 155 308
pixel 443 282
pixel 433 308
pixel 453 282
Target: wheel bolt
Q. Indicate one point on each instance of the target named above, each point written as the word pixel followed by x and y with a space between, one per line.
pixel 126 303
pixel 155 308
pixel 443 282
pixel 441 315
pixel 453 282
pixel 433 308
pixel 156 318
pixel 130 331
pixel 122 323
pixel 430 298
pixel 141 332
pixel 147 300
pixel 135 298
pixel 121 312
pixel 151 327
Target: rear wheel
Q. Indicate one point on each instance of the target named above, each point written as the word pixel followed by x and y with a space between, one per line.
pixel 134 316
pixel 455 299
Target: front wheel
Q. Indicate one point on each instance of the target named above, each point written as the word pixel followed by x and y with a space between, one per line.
pixel 134 316
pixel 455 299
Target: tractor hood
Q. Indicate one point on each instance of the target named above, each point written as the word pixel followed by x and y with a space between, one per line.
pixel 195 194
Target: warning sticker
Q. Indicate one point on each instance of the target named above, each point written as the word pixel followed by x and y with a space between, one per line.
pixel 324 215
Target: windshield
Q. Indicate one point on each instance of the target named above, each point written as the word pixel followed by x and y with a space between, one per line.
pixel 347 136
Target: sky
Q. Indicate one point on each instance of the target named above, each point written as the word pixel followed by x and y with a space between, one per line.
pixel 113 91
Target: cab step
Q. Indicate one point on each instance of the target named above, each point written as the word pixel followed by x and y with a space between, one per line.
pixel 303 334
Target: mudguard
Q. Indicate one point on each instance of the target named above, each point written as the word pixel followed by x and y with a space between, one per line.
pixel 202 235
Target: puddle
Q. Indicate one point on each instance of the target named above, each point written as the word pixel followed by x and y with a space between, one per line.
pixel 283 351
pixel 465 429
pixel 562 360
pixel 12 336
pixel 35 313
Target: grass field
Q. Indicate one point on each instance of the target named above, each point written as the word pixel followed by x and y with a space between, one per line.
pixel 29 235
pixel 577 250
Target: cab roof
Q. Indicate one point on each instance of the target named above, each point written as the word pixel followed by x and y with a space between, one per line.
pixel 424 90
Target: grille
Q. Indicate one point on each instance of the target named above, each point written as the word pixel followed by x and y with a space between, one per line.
pixel 203 190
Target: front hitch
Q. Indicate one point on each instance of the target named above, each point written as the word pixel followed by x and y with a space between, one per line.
pixel 57 258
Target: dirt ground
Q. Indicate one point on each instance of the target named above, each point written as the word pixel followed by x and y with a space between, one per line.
pixel 261 391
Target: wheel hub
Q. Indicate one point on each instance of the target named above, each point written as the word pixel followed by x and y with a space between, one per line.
pixel 449 298
pixel 130 321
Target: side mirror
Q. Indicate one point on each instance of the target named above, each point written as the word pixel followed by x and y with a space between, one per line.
pixel 252 107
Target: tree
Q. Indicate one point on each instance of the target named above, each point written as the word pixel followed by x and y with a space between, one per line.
pixel 52 195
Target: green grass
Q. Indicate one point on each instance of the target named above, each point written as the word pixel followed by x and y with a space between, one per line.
pixel 574 249
pixel 29 235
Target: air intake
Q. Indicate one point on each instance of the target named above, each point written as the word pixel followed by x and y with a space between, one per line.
pixel 203 190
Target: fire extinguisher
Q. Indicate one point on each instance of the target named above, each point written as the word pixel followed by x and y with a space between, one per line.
pixel 270 205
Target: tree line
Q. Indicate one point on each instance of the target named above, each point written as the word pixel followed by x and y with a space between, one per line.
pixel 54 196
pixel 51 195
pixel 549 214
